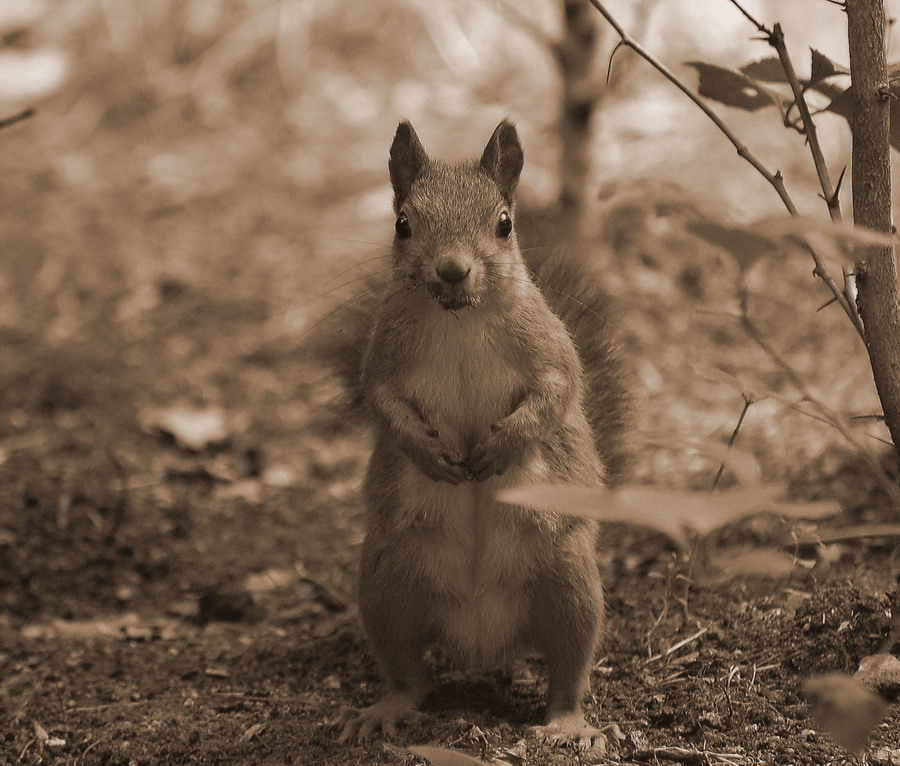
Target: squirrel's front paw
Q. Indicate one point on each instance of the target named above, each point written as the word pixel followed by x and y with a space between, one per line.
pixel 438 461
pixel 495 454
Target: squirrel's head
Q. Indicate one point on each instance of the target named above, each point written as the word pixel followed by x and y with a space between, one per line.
pixel 455 234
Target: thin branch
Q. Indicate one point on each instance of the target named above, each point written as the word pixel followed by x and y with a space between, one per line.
pixel 827 415
pixel 24 115
pixel 754 22
pixel 775 179
pixel 776 40
pixel 748 400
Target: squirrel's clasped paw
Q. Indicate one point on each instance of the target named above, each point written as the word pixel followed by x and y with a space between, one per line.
pixel 437 461
pixel 495 454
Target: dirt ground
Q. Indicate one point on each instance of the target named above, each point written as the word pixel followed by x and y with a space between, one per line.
pixel 182 592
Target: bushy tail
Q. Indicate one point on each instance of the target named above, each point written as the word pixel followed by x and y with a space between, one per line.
pixel 570 284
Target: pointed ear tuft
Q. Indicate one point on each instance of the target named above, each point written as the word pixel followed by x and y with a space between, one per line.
pixel 407 160
pixel 503 158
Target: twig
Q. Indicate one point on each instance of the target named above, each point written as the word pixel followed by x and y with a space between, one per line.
pixel 831 194
pixel 675 647
pixel 828 415
pixel 776 40
pixel 748 400
pixel 24 115
pixel 753 21
pixel 683 755
pixel 775 179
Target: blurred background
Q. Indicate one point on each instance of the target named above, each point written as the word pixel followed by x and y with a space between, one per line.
pixel 198 170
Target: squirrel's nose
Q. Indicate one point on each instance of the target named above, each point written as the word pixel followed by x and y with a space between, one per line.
pixel 453 270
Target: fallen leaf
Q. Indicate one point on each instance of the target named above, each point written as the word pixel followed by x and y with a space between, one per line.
pixel 439 756
pixel 253 731
pixel 192 428
pixel 726 565
pixel 845 708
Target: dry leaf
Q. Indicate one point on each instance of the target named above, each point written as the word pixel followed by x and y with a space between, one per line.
pixel 845 708
pixel 192 428
pixel 675 513
pixel 439 756
pixel 726 565
pixel 253 731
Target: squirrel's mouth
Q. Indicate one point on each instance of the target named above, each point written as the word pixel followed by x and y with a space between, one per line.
pixel 451 298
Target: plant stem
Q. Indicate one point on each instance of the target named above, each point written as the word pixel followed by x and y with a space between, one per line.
pixel 776 40
pixel 878 296
pixel 826 414
pixel 748 400
pixel 24 115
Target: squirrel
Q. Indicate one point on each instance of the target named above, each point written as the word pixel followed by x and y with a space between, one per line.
pixel 480 370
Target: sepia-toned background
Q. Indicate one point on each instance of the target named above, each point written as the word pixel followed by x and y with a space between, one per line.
pixel 201 182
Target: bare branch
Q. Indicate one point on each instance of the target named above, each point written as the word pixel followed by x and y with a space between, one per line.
pixel 24 115
pixel 826 414
pixel 776 40
pixel 748 400
pixel 775 179
pixel 767 32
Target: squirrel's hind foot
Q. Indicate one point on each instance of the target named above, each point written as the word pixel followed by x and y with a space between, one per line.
pixel 364 725
pixel 570 730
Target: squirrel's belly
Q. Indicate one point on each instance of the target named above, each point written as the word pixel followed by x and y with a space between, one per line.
pixel 463 380
pixel 478 557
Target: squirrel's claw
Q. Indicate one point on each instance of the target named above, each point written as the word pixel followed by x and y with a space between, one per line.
pixel 364 725
pixel 571 730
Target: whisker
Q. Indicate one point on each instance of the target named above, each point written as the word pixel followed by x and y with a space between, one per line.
pixel 342 285
pixel 547 287
pixel 360 242
pixel 340 307
pixel 356 266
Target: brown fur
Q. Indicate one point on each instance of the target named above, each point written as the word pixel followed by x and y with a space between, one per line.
pixel 475 384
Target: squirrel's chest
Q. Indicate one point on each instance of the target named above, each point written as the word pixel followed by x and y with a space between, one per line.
pixel 463 374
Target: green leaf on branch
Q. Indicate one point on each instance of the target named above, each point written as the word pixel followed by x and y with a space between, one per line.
pixel 732 88
pixel 823 67
pixel 726 565
pixel 749 243
pixel 746 246
pixel 675 513
pixel 768 70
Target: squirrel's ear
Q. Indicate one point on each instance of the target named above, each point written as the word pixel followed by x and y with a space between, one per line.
pixel 407 160
pixel 503 157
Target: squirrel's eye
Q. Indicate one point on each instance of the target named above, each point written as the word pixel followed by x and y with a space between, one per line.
pixel 402 227
pixel 504 225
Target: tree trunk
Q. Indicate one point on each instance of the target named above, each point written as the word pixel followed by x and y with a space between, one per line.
pixel 575 55
pixel 877 295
